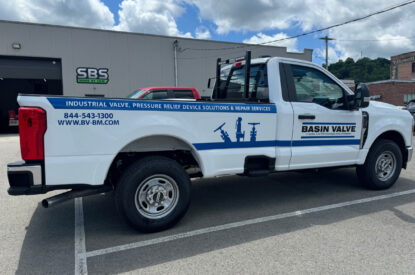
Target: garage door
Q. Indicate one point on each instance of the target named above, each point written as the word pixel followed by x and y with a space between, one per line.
pixel 25 75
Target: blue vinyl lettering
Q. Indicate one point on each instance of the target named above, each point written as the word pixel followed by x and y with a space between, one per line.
pixel 166 106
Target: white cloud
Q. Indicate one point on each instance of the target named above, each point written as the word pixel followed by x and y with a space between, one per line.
pixel 240 15
pixel 384 36
pixel 150 16
pixel 320 53
pixel 202 33
pixel 145 16
pixel 85 13
pixel 291 44
pixel 247 15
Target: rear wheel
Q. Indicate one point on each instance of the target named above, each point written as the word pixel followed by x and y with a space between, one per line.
pixel 382 166
pixel 153 194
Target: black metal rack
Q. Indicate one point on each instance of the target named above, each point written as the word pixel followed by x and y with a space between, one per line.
pixel 219 64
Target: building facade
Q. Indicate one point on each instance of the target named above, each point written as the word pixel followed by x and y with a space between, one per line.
pixel 403 66
pixel 396 92
pixel 400 88
pixel 48 59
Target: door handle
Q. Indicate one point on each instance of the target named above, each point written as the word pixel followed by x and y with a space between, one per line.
pixel 306 116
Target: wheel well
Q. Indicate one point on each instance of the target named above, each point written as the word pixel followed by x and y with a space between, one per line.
pixel 398 139
pixel 166 146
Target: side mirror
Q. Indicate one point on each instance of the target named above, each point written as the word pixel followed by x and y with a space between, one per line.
pixel 362 96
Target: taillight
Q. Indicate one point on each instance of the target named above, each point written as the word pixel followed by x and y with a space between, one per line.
pixel 32 127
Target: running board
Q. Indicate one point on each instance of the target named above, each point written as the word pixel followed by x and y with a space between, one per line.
pixel 76 193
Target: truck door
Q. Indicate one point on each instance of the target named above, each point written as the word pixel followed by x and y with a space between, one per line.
pixel 325 131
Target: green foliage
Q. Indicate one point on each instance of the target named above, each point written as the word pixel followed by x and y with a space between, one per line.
pixel 363 70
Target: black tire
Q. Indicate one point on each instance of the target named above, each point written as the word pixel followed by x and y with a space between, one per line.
pixel 367 172
pixel 135 180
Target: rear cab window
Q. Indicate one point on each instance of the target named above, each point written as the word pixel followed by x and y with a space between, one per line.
pixel 183 93
pixel 157 94
pixel 232 83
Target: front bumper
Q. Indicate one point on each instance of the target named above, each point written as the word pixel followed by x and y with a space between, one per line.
pixel 25 178
pixel 409 151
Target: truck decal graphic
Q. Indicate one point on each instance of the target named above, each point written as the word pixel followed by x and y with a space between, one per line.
pixel 273 143
pixel 238 134
pixel 166 106
pixel 327 137
pixel 328 130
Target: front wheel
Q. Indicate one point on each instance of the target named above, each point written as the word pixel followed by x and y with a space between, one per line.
pixel 153 194
pixel 382 166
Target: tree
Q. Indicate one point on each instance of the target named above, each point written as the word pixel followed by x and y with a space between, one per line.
pixel 363 70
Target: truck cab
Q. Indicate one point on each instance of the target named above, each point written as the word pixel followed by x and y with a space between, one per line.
pixel 318 121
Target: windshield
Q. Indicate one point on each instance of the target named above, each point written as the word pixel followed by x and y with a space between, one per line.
pixel 137 94
pixel 232 82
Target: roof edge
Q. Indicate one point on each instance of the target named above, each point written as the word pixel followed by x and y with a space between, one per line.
pixel 390 81
pixel 148 34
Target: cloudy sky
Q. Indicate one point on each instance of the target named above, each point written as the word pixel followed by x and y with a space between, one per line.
pixel 247 21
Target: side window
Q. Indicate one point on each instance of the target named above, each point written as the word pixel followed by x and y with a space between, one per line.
pixel 157 94
pixel 314 86
pixel 183 94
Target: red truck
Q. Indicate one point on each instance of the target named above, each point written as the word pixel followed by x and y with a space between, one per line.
pixel 165 93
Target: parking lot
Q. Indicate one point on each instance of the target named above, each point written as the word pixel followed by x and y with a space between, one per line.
pixel 285 223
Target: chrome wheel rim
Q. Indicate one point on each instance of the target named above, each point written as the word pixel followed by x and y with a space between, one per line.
pixel 385 166
pixel 156 196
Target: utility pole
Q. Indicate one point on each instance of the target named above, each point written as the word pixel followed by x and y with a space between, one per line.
pixel 326 38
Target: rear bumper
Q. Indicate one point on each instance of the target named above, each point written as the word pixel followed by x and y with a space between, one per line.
pixel 28 179
pixel 25 178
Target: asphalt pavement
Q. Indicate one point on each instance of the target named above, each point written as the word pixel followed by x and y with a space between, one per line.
pixel 284 223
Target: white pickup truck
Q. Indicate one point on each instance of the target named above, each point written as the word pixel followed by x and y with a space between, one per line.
pixel 266 115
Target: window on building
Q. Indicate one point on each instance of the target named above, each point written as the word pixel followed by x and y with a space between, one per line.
pixel 408 97
pixel 413 67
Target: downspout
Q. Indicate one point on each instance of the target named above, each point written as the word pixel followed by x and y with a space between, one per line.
pixel 175 43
